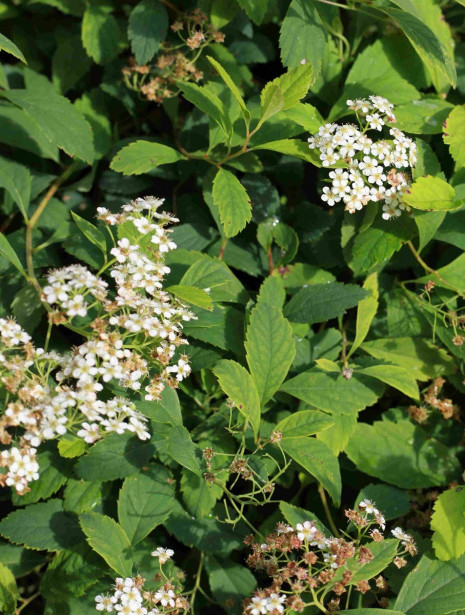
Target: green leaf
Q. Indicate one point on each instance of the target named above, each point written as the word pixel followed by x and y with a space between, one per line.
pixel 383 554
pixel 93 234
pixel 395 376
pixel 145 501
pixel 69 64
pixel 431 193
pixel 208 102
pixel 454 135
pixel 255 9
pixel 239 386
pixel 428 222
pixel 293 85
pixel 18 559
pixel 179 446
pixel 93 107
pixel 392 502
pixel 303 36
pixel 271 101
pixel 212 273
pixel 17 180
pixel 366 311
pixel 272 292
pixel 448 524
pixel 9 593
pixel 43 526
pixel 71 446
pixel 229 582
pixel 288 240
pixel 294 515
pixel 434 588
pixel 431 50
pixel 100 34
pixel 20 130
pixel 369 611
pixel 304 423
pixel 148 24
pixel 425 116
pixel 10 47
pixel 317 459
pixel 198 495
pixel 332 392
pixel 167 410
pixel 231 85
pixel 143 156
pixel 83 496
pixel 451 273
pixel 270 349
pixel 192 295
pixel 7 251
pixel 223 327
pixel 296 149
pixel 419 356
pixel 418 459
pixel 321 302
pixel 58 119
pixel 233 202
pixel 116 456
pixel 109 540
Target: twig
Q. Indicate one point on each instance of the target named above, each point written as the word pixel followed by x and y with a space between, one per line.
pixel 329 517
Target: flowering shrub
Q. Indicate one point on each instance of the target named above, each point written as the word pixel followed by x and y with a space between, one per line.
pixel 199 389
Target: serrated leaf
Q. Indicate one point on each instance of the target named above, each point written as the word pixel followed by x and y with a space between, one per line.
pixel 71 446
pixel 271 101
pixel 145 501
pixel 431 194
pixel 296 149
pixel 193 295
pixel 270 349
pixel 100 34
pixel 293 85
pixel 392 502
pixel 395 376
pixel 294 515
pixel 304 423
pixel 93 234
pixel 179 446
pixel 17 180
pixel 9 593
pixel 43 526
pixel 433 588
pixel 116 456
pixel 229 582
pixel 321 302
pixel 419 460
pixel 109 540
pixel 208 102
pixel 58 119
pixel 148 24
pixel 255 9
pixel 428 222
pixel 332 392
pixel 366 311
pixel 213 274
pixel 454 135
pixel 11 48
pixel 231 85
pixel 303 36
pixel 448 524
pixel 143 156
pixel 233 202
pixel 239 386
pixel 198 495
pixel 317 459
pixel 83 496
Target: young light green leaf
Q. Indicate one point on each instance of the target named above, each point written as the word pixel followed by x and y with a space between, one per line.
pixel 11 48
pixel 93 234
pixel 296 149
pixel 395 376
pixel 270 349
pixel 71 446
pixel 145 501
pixel 366 311
pixel 293 85
pixel 192 295
pixel 328 366
pixel 318 460
pixel 239 386
pixel 448 524
pixel 233 202
pixel 272 292
pixel 433 588
pixel 208 102
pixel 271 101
pixel 58 119
pixel 454 135
pixel 231 85
pixel 304 423
pixel 148 24
pixel 7 251
pixel 431 194
pixel 9 593
pixel 303 36
pixel 143 156
pixel 100 34
pixel 109 540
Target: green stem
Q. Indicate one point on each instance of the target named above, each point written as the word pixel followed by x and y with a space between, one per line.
pixel 329 517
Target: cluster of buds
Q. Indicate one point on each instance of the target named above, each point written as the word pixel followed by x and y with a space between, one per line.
pixel 130 598
pixel 374 170
pixel 133 330
pixel 433 401
pixel 308 568
pixel 177 62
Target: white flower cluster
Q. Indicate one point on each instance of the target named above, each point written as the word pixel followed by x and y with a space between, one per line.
pixel 22 467
pixel 405 538
pixel 369 508
pixel 269 604
pixel 132 339
pixel 374 170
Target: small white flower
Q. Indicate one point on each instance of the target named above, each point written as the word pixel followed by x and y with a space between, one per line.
pixel 163 554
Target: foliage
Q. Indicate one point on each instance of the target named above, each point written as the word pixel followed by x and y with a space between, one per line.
pixel 201 388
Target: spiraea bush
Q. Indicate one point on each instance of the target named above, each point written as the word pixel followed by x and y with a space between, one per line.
pixel 243 394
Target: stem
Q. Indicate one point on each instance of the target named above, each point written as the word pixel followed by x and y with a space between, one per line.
pixel 270 260
pixel 428 269
pixel 32 222
pixel 329 517
pixel 223 247
pixel 197 580
pixel 26 602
